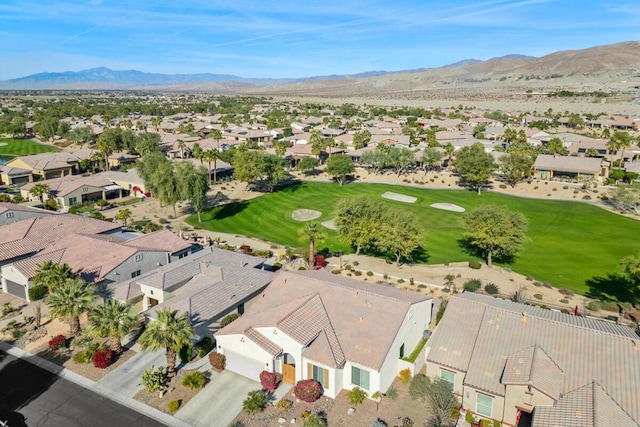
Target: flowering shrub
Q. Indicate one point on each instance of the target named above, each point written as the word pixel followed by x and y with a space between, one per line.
pixel 102 358
pixel 58 342
pixel 269 380
pixel 307 390
pixel 218 361
pixel 320 261
pixel 405 376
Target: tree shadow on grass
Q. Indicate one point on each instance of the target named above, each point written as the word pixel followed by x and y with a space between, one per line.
pixel 478 253
pixel 613 287
pixel 230 210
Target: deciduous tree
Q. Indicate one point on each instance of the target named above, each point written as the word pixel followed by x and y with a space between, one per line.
pixel 339 167
pixel 475 165
pixel 495 231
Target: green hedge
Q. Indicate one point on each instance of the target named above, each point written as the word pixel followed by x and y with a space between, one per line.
pixel 38 292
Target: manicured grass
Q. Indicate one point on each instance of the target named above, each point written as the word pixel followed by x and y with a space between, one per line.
pixel 23 147
pixel 571 242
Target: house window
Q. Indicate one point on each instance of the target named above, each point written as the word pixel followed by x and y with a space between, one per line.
pixel 9 215
pixel 321 375
pixel 73 201
pixel 135 274
pixel 182 255
pixel 360 377
pixel 241 309
pixel 85 189
pixel 448 376
pixel 484 404
pixel 402 351
pixel 138 257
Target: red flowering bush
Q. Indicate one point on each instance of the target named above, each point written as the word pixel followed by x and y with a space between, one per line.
pixel 320 261
pixel 307 390
pixel 269 380
pixel 58 342
pixel 218 361
pixel 102 358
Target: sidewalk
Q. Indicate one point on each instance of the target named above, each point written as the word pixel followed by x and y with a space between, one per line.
pixel 108 391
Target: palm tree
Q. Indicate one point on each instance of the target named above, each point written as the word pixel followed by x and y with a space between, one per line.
pixel 39 190
pixel 52 275
pixel 211 155
pixel 311 231
pixel 170 331
pixel 449 149
pixel 113 320
pixel 217 135
pixel 198 152
pixel 612 145
pixel 123 215
pixel 69 301
pixel 622 140
pixel 106 147
pixel 156 121
pixel 181 147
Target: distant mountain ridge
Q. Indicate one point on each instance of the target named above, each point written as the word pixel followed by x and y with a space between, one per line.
pixel 601 67
pixel 103 77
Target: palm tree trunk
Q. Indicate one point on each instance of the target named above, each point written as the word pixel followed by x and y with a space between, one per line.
pixel 171 362
pixel 38 315
pixel 311 253
pixel 215 170
pixel 489 263
pixel 115 345
pixel 74 326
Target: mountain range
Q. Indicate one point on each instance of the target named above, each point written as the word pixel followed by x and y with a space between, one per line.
pixel 609 67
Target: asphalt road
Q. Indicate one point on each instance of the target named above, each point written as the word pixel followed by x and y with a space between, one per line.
pixel 31 396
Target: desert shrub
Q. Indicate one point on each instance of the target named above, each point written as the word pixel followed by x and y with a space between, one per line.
pixel 218 361
pixel 503 186
pixel 537 296
pixel 566 292
pixel 564 301
pixel 86 355
pixel 102 358
pixel 7 308
pixel 472 285
pixel 17 333
pixel 419 387
pixel 535 187
pixel 229 318
pixel 336 271
pixel 38 292
pixel 58 342
pixel 255 402
pixel 194 380
pixel 586 197
pixel 79 357
pixel 284 404
pixel 307 390
pixel 204 346
pixel 405 376
pixel 476 265
pixel 392 393
pixel 421 286
pixel 357 273
pixel 491 289
pixel 162 221
pixel 186 353
pixel 173 406
pixel 357 395
pixel 304 415
pixel 269 380
pixel 154 380
pixel 314 420
pixel 593 306
pixel 369 273
pixel 301 268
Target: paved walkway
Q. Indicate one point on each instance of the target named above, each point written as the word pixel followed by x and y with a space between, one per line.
pixel 126 378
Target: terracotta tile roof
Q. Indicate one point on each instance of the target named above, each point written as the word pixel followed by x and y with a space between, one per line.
pixel 532 366
pixel 587 406
pixel 162 240
pixel 478 333
pixel 33 234
pixel 357 319
pixel 264 343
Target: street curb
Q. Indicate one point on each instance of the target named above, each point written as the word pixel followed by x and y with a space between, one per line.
pixel 78 379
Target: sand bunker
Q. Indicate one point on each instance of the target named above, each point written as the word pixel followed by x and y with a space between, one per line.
pixel 448 207
pixel 331 224
pixel 305 214
pixel 399 197
pixel 2 144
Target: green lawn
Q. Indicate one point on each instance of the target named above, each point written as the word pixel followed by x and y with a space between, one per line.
pixel 23 147
pixel 571 242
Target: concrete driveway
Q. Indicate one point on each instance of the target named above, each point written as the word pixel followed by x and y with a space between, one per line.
pixel 219 402
pixel 127 377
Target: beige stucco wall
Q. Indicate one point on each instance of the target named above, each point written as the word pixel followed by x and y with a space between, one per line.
pixel 469 403
pixel 520 396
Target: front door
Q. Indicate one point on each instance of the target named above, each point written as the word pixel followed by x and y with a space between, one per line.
pixel 289 373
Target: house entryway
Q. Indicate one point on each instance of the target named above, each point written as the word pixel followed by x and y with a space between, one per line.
pixel 289 369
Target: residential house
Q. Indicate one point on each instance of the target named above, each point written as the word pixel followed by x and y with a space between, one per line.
pixel 12 175
pixel 509 362
pixel 10 213
pixel 116 260
pixel 206 286
pixel 341 332
pixel 547 166
pixel 75 189
pixel 47 165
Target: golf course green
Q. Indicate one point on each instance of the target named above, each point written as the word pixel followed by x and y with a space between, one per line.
pixel 570 242
pixel 23 147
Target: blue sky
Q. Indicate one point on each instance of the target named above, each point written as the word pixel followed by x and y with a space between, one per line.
pixel 286 38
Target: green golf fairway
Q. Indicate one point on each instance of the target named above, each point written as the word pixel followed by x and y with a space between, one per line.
pixel 23 147
pixel 571 242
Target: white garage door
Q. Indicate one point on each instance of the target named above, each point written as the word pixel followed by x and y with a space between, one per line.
pixel 16 289
pixel 246 367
